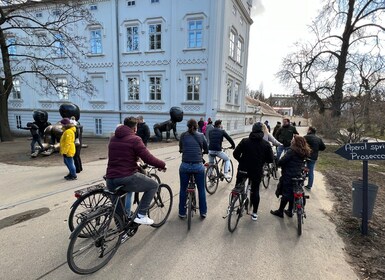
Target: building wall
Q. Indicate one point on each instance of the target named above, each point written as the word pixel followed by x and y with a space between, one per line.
pixel 111 69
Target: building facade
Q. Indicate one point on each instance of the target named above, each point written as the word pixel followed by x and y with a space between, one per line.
pixel 146 56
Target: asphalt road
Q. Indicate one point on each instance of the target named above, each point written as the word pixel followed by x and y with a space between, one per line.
pixel 35 248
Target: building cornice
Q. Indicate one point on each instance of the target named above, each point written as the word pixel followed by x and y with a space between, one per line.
pixel 244 11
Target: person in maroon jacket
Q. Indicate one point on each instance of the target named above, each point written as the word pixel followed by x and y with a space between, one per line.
pixel 124 149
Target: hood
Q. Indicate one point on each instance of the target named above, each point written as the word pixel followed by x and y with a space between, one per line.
pixel 256 135
pixel 122 131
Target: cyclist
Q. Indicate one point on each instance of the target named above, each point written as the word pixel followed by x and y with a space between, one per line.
pixel 216 136
pixel 124 149
pixel 285 135
pixel 292 163
pixel 252 153
pixel 191 145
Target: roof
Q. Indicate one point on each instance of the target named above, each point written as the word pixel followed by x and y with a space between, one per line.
pixel 267 110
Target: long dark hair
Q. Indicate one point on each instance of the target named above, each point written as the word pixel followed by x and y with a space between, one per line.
pixel 300 146
pixel 192 126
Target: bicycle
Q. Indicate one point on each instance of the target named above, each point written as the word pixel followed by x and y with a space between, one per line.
pixel 215 172
pixel 105 228
pixel 238 202
pixel 94 196
pixel 299 201
pixel 191 202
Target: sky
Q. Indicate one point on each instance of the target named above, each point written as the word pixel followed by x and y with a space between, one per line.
pixel 278 24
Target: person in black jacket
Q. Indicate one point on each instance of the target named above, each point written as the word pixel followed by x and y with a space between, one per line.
pixel 191 144
pixel 143 131
pixel 216 136
pixel 252 153
pixel 316 144
pixel 284 135
pixel 292 163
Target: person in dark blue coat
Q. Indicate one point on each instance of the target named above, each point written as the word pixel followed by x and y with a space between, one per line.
pixel 192 145
pixel 292 163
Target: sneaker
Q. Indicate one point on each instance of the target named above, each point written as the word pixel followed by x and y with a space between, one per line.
pixel 203 216
pixel 227 176
pixel 67 176
pixel 125 237
pixel 70 178
pixel 182 216
pixel 277 213
pixel 288 213
pixel 254 216
pixel 307 187
pixel 145 220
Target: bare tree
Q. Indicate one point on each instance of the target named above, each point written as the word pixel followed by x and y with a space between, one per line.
pixel 347 33
pixel 44 46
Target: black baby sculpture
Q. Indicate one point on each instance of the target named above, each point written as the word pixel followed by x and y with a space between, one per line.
pixel 176 114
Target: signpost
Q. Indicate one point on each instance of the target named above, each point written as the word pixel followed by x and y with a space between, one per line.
pixel 363 151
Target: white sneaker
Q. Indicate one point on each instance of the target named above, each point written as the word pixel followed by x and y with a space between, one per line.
pixel 145 220
pixel 254 216
pixel 227 176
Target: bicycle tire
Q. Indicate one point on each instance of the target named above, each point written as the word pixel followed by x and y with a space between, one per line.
pixel 299 221
pixel 211 179
pixel 80 249
pixel 274 172
pixel 189 209
pixel 88 202
pixel 231 171
pixel 266 176
pixel 161 206
pixel 234 213
pixel 155 177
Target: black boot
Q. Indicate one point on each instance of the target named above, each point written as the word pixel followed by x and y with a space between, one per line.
pixel 289 211
pixel 282 205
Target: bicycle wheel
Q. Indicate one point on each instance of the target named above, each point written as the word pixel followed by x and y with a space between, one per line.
pixel 87 255
pixel 190 201
pixel 235 212
pixel 266 176
pixel 212 179
pixel 231 171
pixel 161 206
pixel 85 204
pixel 299 221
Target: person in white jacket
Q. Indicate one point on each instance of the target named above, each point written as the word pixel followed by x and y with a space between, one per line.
pixel 268 137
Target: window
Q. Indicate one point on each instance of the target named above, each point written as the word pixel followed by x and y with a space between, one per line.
pixel 229 90
pixel 234 10
pixel 62 88
pixel 232 43
pixel 96 41
pixel 239 50
pixel 93 7
pixel 132 38
pixel 155 36
pixel 98 126
pixel 154 1
pixel 11 45
pixel 39 15
pixel 56 12
pixel 236 93
pixel 16 92
pixel 193 87
pixel 18 120
pixel 195 34
pixel 59 46
pixel 133 88
pixel 155 88
pixel 130 3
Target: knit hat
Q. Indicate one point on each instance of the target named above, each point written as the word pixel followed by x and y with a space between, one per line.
pixel 65 121
pixel 257 127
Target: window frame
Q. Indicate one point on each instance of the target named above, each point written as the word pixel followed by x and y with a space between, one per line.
pixel 229 90
pixel 133 38
pixel 98 126
pixel 154 35
pixel 16 89
pixel 239 50
pixel 195 32
pixel 59 45
pixel 62 88
pixel 12 50
pixel 96 44
pixel 193 85
pixel 155 85
pixel 236 87
pixel 133 96
pixel 232 41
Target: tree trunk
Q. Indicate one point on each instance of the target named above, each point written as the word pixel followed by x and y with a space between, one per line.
pixel 5 131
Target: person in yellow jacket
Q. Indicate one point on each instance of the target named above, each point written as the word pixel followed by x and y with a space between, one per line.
pixel 67 147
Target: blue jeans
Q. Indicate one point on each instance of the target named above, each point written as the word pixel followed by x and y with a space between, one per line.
pixel 69 162
pixel 221 155
pixel 311 165
pixel 280 150
pixel 137 182
pixel 198 170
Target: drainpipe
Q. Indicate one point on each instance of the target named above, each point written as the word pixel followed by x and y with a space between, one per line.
pixel 118 59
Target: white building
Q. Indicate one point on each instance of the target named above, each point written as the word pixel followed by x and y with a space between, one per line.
pixel 146 56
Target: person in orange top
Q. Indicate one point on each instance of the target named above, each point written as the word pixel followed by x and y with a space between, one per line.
pixel 67 147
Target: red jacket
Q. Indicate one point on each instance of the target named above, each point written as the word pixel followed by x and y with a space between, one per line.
pixel 124 150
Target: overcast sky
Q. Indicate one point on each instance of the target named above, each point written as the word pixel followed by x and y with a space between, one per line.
pixel 277 25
